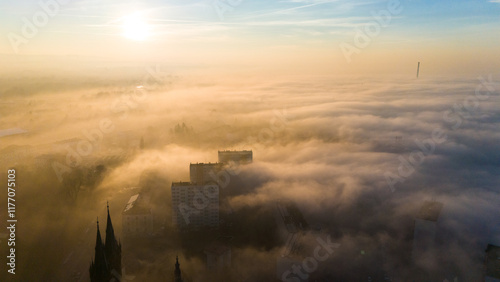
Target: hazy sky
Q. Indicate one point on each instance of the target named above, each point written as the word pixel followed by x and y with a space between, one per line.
pixel 447 36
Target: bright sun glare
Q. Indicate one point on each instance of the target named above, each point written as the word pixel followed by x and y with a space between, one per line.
pixel 135 28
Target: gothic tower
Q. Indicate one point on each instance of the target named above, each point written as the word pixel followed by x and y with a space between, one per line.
pixel 113 249
pixel 99 269
pixel 108 256
pixel 177 271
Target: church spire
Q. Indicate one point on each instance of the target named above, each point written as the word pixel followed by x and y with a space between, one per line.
pixel 110 232
pixel 108 256
pixel 112 247
pixel 98 242
pixel 99 266
pixel 109 225
pixel 177 271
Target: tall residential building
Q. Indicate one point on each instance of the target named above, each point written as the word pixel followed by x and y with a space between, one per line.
pixel 195 206
pixel 424 236
pixel 492 264
pixel 238 157
pixel 205 173
pixel 137 219
pixel 108 256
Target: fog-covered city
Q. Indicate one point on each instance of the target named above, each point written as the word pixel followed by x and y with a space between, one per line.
pixel 281 160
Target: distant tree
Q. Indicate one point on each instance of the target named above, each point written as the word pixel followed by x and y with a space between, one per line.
pixel 182 129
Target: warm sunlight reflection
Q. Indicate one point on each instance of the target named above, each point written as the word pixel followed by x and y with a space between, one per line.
pixel 135 27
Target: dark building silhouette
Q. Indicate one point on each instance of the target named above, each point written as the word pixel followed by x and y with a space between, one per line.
pixel 107 263
pixel 177 271
pixel 492 264
pixel 99 269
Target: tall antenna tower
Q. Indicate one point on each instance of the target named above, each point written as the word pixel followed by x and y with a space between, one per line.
pixel 418 69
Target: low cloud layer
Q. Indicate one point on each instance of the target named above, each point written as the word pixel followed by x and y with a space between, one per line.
pixel 356 155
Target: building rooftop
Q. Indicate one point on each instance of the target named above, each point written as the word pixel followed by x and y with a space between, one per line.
pixel 67 141
pixel 430 211
pixel 182 184
pixel 134 206
pixel 201 164
pixel 12 131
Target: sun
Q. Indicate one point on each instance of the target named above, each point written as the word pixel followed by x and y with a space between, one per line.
pixel 135 28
